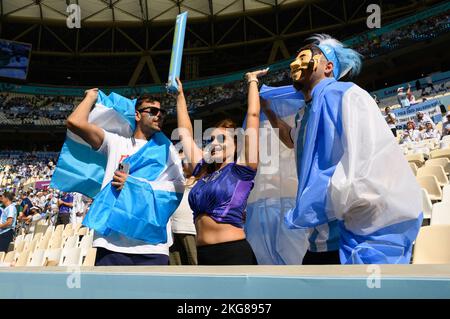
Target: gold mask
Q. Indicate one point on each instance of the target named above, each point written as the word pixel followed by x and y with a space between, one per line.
pixel 303 61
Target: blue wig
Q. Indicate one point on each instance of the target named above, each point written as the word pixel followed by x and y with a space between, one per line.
pixel 345 60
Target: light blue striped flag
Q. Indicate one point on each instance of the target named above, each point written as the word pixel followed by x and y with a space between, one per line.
pixel 151 194
pixel 80 168
pixel 274 192
pixel 154 187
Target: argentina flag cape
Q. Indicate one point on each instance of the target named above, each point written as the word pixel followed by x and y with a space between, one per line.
pixel 274 192
pixel 352 171
pixel 151 194
pixel 80 168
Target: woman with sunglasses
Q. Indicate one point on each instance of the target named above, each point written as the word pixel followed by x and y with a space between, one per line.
pixel 219 198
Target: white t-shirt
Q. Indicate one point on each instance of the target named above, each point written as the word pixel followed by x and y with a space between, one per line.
pixel 183 218
pixel 389 117
pixel 117 148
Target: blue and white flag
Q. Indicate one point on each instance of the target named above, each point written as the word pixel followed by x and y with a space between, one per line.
pixel 274 192
pixel 151 194
pixel 80 168
pixel 152 191
pixel 352 171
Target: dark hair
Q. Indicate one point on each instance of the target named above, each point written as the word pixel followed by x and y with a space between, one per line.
pixel 9 195
pixel 211 167
pixel 147 98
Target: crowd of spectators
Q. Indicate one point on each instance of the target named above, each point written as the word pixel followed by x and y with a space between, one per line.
pixel 372 45
pixel 30 109
pixel 27 176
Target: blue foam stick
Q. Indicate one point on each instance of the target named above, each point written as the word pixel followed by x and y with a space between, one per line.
pixel 177 52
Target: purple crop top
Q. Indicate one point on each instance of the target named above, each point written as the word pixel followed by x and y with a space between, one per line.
pixel 223 194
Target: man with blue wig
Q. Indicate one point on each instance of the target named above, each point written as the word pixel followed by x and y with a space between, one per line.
pixel 356 196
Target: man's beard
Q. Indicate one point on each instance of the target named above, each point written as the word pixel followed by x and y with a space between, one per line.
pixel 297 85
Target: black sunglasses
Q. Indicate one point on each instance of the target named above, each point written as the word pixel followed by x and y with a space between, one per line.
pixel 154 111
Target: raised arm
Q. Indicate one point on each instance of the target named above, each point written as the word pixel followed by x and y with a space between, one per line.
pixel 253 112
pixel 78 123
pixel 284 129
pixel 193 153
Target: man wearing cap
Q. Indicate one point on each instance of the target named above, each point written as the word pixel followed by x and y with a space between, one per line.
pixel 410 134
pixel 402 98
pixel 422 119
pixel 430 132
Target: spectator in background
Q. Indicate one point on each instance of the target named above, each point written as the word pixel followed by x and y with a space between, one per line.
pixel 446 125
pixel 391 120
pixel 418 85
pixel 65 204
pixel 7 220
pixel 422 119
pixel 402 98
pixel 430 131
pixel 26 206
pixel 410 134
pixel 430 84
pixel 411 98
pixel 184 249
pixel 77 213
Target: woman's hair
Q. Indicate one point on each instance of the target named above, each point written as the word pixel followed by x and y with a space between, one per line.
pixel 209 168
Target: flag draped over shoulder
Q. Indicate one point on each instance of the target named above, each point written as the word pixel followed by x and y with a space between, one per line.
pixel 152 191
pixel 353 171
pixel 80 168
pixel 151 194
pixel 274 192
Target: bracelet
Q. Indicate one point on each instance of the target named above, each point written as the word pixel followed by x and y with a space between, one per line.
pixel 253 80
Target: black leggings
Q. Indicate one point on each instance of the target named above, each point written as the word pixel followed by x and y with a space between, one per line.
pixel 238 252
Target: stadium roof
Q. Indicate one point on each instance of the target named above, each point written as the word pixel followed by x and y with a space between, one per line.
pixel 129 11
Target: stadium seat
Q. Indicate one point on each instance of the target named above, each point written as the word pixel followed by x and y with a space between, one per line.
pixel 20 247
pixel 40 229
pixel 436 171
pixel 55 241
pixel 446 194
pixel 86 242
pixel 71 242
pixel 52 257
pixel 18 240
pixel 442 161
pixel 67 233
pixel 9 257
pixel 432 245
pixel 28 237
pixel 413 167
pixel 82 231
pixel 440 153
pixel 23 258
pixel 89 257
pixel 440 214
pixel 59 228
pixel 427 206
pixel 431 184
pixel 70 257
pixel 44 242
pixel 33 244
pixel 36 259
pixel 418 159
